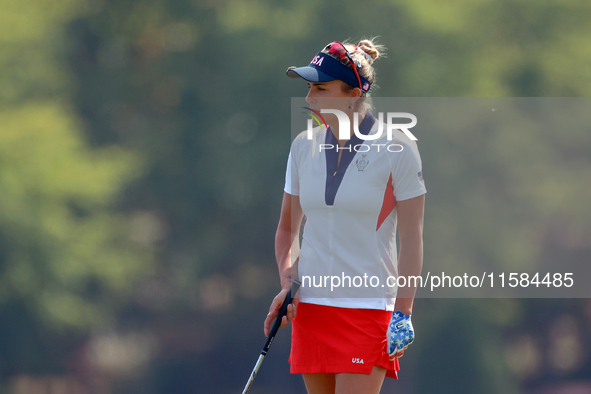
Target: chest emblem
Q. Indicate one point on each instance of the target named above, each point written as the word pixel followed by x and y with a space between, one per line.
pixel 362 162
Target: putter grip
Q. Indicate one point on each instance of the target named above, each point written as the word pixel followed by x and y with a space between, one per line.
pixel 295 285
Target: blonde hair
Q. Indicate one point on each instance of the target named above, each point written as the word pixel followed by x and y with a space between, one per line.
pixel 360 53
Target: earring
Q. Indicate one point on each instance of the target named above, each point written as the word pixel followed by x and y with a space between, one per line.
pixel 349 107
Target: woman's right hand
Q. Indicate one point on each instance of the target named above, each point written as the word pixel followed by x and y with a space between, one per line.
pixel 274 311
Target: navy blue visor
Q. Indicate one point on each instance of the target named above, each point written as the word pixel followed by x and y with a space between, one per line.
pixel 324 68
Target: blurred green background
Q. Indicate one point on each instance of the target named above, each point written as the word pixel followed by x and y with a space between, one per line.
pixel 143 147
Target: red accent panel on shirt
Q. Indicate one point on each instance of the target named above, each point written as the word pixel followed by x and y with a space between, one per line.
pixel 388 204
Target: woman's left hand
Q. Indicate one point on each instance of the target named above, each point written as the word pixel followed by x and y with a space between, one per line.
pixel 400 334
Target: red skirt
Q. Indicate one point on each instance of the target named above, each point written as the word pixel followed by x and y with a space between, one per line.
pixel 328 339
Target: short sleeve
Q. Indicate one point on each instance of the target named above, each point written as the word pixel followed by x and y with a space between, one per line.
pixel 292 184
pixel 407 174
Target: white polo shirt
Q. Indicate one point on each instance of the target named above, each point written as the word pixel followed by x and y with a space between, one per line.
pixel 350 230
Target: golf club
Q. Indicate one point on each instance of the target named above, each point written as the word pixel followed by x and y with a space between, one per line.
pixel 295 285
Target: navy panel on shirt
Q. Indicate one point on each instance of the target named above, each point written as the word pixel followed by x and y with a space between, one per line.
pixel 335 175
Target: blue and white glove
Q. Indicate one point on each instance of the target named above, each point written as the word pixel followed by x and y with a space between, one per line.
pixel 400 334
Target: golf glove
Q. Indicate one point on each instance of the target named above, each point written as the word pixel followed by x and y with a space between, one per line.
pixel 400 334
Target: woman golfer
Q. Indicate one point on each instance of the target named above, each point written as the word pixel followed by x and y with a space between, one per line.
pixel 356 184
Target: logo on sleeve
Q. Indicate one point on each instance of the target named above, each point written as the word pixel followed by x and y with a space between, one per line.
pixel 421 176
pixel 357 361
